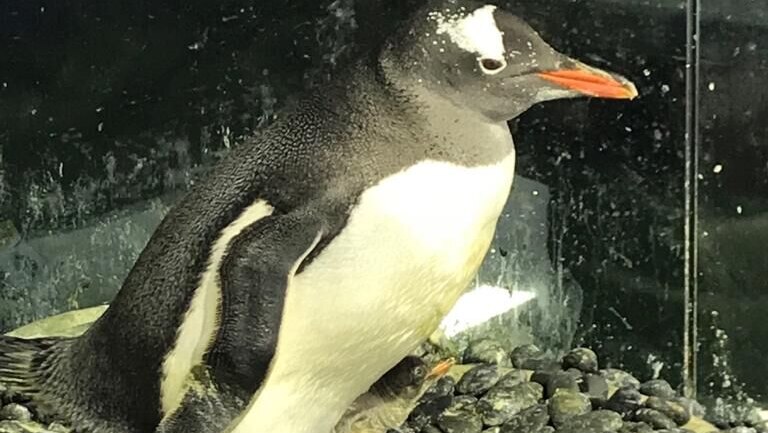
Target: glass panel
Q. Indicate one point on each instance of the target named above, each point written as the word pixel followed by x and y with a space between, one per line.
pixel 106 131
pixel 108 114
pixel 600 193
pixel 733 203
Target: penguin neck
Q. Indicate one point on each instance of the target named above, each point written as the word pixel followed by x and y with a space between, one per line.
pixel 466 135
pixel 479 139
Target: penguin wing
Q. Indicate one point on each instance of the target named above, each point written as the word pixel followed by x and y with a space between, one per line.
pixel 255 273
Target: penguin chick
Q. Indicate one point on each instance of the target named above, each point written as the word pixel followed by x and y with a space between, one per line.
pixel 392 398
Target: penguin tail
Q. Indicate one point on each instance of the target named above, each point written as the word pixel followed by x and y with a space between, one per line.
pixel 25 364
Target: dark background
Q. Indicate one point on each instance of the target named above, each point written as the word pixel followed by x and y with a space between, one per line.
pixel 108 109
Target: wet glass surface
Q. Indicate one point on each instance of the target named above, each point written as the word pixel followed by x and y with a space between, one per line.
pixel 616 175
pixel 107 114
pixel 733 201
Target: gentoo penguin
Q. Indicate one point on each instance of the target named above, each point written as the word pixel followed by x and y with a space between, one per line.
pixel 317 255
pixel 391 399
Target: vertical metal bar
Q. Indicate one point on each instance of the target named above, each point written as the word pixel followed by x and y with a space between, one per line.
pixel 690 337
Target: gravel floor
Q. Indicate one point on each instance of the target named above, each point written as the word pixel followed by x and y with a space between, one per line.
pixel 525 392
pixel 492 391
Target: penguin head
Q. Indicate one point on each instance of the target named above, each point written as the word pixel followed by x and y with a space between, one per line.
pixel 406 376
pixel 489 61
pixel 410 378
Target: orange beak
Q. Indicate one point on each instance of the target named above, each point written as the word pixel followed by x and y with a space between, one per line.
pixel 592 82
pixel 441 368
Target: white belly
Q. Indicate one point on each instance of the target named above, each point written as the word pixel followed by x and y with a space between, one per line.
pixel 408 251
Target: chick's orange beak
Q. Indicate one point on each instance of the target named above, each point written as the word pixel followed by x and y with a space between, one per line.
pixel 441 368
pixel 592 82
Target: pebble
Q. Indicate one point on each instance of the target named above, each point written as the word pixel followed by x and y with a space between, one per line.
pixel 464 402
pixel 18 418
pixel 13 426
pixel 430 429
pixel 486 351
pixel 503 402
pixel 15 412
pixel 521 354
pixel 512 378
pixel 624 401
pixel 674 410
pixel 444 386
pixel 426 349
pixel 595 386
pixel 566 404
pixel 554 380
pixel 619 378
pixel 575 372
pixel 478 380
pixel 692 406
pixel 404 429
pixel 530 357
pixel 599 421
pixel 7 426
pixel 58 428
pixel 460 417
pixel 582 359
pixel 741 429
pixel 491 430
pixel 427 412
pixel 541 364
pixel 529 420
pixel 654 418
pixel 658 388
pixel 635 427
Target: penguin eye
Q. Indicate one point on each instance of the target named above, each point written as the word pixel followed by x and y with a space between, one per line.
pixel 419 372
pixel 492 66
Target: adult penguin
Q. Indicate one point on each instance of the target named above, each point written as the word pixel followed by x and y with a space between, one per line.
pixel 317 255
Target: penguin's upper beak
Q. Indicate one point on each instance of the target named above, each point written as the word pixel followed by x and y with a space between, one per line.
pixel 591 81
pixel 440 369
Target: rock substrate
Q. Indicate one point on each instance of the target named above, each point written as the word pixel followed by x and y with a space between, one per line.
pixel 18 418
pixel 525 392
pixel 519 392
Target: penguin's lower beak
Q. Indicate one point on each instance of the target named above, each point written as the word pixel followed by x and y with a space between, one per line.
pixel 591 81
pixel 441 369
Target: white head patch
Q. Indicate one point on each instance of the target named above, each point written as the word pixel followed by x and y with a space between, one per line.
pixel 476 32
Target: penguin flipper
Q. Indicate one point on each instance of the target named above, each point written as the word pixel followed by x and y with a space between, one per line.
pixel 255 272
pixel 205 408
